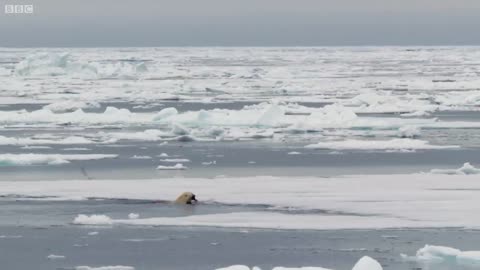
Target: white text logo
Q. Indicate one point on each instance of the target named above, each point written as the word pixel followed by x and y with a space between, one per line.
pixel 18 9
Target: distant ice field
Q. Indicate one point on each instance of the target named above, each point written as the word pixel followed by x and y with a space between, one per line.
pixel 237 111
pixel 298 156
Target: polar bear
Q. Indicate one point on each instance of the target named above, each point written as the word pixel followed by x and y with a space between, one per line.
pixel 186 198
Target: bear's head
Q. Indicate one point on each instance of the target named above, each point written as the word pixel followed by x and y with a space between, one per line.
pixel 186 198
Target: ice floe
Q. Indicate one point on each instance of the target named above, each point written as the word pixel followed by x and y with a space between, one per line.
pixel 466 169
pixel 10 236
pixel 141 157
pixel 29 141
pixel 208 163
pixel 236 267
pixel 262 117
pixel 269 121
pixel 409 132
pixel 393 144
pixel 52 64
pixel 93 220
pixel 365 263
pixel 49 159
pixel 441 255
pixel 69 106
pixel 176 160
pixel 55 257
pixel 385 201
pixel 302 75
pixel 116 267
pixel 133 216
pixel 178 166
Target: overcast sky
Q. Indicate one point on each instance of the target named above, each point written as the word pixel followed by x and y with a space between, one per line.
pixel 93 23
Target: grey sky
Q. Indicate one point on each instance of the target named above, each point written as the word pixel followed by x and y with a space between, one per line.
pixel 242 23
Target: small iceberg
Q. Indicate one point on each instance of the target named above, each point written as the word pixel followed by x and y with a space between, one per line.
pixel 133 216
pixel 365 263
pixel 55 257
pixel 53 64
pixel 92 220
pixel 440 255
pixel 178 166
pixel 466 169
pixel 408 132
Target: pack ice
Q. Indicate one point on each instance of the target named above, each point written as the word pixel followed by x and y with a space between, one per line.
pixel 365 263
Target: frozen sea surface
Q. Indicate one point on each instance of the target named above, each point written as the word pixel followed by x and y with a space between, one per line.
pixel 40 229
pixel 97 125
pixel 238 111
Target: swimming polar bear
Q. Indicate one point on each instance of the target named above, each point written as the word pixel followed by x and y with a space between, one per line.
pixel 186 198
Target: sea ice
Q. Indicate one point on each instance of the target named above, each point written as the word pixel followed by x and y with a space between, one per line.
pixel 235 267
pixel 175 160
pixel 76 149
pixel 469 259
pixel 299 268
pixel 10 236
pixel 408 132
pixel 52 64
pixel 208 163
pixel 367 263
pixel 133 216
pixel 466 169
pixel 55 257
pixel 141 157
pixel 117 267
pixel 178 166
pixel 385 201
pixel 29 141
pixel 437 255
pixel 47 159
pixel 70 105
pixel 392 144
pixel 93 220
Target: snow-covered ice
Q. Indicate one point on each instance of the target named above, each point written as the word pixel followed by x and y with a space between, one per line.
pixel 175 160
pixel 393 144
pixel 466 168
pixel 178 166
pixel 47 159
pixel 93 220
pixel 369 201
pixel 69 105
pixel 438 255
pixel 133 216
pixel 365 263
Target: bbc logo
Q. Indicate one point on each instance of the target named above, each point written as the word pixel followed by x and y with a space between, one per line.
pixel 19 9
